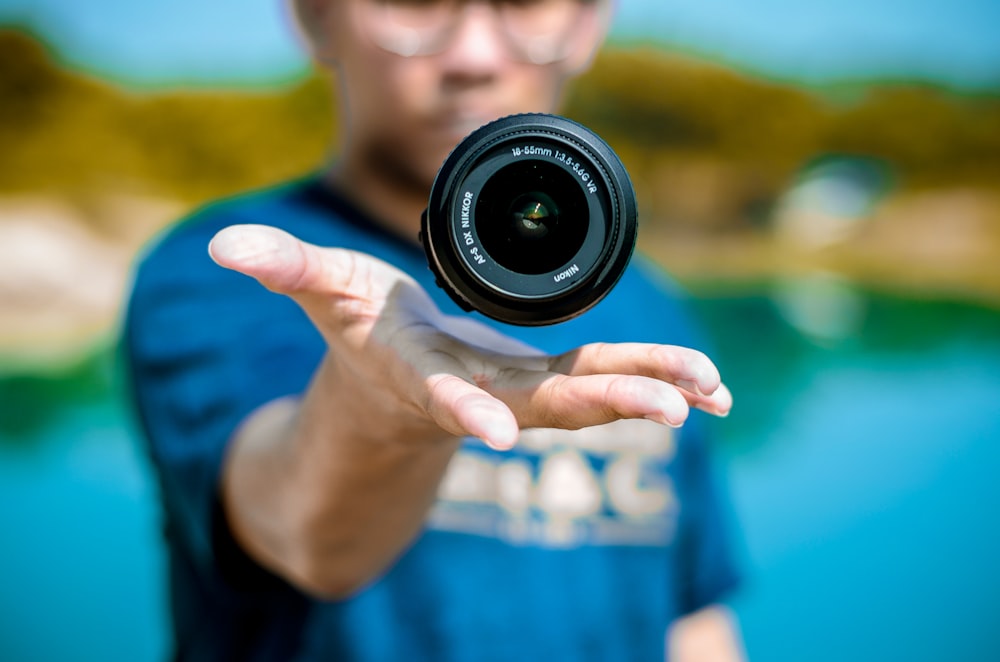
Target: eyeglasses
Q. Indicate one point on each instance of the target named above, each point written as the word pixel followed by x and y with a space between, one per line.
pixel 536 31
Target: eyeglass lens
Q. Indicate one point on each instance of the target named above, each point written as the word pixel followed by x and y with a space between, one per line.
pixel 536 30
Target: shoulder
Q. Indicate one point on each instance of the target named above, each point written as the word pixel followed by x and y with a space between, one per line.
pixel 180 253
pixel 186 241
pixel 176 285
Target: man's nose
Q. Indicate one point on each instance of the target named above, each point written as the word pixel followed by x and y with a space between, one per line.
pixel 478 45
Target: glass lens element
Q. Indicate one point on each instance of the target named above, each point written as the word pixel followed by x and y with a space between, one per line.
pixel 532 213
pixel 528 231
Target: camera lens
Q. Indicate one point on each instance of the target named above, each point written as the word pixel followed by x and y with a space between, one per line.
pixel 536 231
pixel 531 220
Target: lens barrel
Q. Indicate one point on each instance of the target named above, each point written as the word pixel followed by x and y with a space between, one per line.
pixel 531 220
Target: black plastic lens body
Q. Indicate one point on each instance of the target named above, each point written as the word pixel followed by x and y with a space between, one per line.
pixel 531 220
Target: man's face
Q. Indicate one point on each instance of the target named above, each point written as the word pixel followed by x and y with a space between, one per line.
pixel 406 113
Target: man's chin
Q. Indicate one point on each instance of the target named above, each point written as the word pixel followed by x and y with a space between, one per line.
pixel 450 128
pixel 414 175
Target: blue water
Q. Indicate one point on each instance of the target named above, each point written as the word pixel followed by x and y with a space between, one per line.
pixel 871 519
pixel 861 469
pixel 81 567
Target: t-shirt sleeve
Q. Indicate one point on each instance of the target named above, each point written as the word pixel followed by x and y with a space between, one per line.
pixel 707 554
pixel 204 347
pixel 707 538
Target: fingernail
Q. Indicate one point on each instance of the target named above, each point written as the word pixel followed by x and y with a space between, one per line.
pixel 660 418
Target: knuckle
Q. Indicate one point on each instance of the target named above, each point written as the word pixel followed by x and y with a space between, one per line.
pixel 667 357
pixel 552 406
pixel 435 392
pixel 563 363
pixel 618 394
pixel 602 352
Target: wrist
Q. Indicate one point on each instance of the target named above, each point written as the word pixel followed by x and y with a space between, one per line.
pixel 345 407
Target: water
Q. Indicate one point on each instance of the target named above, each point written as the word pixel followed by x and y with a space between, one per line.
pixel 865 481
pixel 861 460
pixel 80 562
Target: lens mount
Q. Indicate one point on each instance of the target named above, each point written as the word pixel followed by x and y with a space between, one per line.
pixel 531 220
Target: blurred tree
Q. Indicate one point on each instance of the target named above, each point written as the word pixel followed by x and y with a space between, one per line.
pixel 933 138
pixel 69 134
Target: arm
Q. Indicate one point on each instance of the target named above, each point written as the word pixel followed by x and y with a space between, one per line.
pixel 708 635
pixel 328 491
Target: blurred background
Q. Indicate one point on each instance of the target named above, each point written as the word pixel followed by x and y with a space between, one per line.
pixel 823 177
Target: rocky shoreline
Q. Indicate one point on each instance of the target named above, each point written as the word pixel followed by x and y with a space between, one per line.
pixel 62 282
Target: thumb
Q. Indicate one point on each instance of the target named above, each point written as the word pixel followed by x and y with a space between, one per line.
pixel 278 260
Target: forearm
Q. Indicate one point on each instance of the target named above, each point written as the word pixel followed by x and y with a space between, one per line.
pixel 329 490
pixel 708 635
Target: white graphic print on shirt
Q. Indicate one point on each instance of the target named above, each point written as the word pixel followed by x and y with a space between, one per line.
pixel 604 485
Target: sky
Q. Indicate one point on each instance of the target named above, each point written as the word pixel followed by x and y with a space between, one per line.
pixel 165 42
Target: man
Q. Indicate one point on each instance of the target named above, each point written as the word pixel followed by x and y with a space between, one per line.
pixel 356 470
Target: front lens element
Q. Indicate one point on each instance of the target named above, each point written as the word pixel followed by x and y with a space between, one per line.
pixel 532 215
pixel 528 231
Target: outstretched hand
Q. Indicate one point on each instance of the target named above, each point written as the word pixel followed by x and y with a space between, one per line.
pixel 433 372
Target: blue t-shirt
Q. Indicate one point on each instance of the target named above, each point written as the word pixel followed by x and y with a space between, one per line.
pixel 573 546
